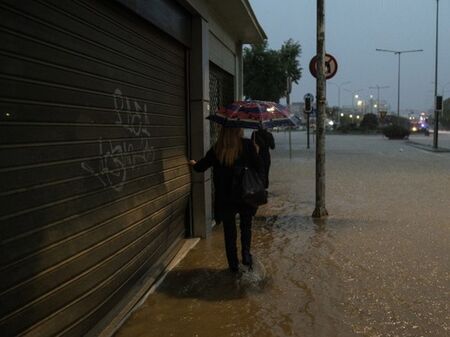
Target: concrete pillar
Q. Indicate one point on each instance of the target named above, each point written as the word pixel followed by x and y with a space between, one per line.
pixel 239 78
pixel 199 126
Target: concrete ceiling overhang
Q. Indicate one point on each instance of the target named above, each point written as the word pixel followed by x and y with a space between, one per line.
pixel 240 20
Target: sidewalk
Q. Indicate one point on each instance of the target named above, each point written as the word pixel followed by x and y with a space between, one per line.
pixel 426 142
pixel 377 266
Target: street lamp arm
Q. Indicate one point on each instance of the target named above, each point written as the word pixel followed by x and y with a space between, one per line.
pixel 387 50
pixel 410 51
pixel 353 91
pixel 399 51
pixel 339 85
pixel 378 87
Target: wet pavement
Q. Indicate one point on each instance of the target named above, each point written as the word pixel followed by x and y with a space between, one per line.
pixel 379 265
pixel 427 141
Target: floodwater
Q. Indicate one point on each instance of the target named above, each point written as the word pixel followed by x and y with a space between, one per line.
pixel 379 265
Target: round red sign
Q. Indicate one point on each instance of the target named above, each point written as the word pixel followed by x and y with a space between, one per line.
pixel 331 66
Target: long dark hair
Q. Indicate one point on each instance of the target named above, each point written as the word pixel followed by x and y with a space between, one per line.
pixel 229 145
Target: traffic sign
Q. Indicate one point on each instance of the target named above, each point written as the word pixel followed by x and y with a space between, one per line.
pixel 331 66
pixel 383 114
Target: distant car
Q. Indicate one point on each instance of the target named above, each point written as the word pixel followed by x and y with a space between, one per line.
pixel 420 127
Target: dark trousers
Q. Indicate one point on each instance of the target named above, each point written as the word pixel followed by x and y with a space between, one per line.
pixel 266 174
pixel 229 230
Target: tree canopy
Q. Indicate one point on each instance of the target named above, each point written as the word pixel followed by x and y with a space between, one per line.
pixel 266 70
pixel 369 122
pixel 445 115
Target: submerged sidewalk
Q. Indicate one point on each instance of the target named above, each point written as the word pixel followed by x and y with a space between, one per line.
pixel 377 266
pixel 426 142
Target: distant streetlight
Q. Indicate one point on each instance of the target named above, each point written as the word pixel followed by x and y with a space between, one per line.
pixel 355 95
pixel 378 95
pixel 399 53
pixel 339 90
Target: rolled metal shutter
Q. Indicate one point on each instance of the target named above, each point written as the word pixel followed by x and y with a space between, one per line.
pixel 93 174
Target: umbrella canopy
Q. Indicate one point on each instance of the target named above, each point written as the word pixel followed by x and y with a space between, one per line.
pixel 253 115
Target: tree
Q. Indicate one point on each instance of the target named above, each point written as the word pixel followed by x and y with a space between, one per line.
pixel 289 53
pixel 369 122
pixel 445 115
pixel 266 70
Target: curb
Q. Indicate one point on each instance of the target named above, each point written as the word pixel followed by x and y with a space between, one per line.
pixel 427 147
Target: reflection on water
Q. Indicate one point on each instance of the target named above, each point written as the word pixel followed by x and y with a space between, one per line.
pixel 313 285
pixel 287 293
pixel 360 272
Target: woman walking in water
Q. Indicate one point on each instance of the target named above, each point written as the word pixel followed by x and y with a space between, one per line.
pixel 231 152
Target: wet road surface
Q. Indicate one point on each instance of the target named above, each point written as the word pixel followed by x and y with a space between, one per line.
pixel 379 265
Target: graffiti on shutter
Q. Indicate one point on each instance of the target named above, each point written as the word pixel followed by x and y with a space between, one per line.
pixel 117 160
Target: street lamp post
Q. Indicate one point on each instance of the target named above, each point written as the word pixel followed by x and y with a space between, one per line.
pixel 339 90
pixel 436 112
pixel 399 53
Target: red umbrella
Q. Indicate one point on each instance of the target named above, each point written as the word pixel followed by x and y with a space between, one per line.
pixel 253 115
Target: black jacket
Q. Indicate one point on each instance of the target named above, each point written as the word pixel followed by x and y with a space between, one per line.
pixel 265 141
pixel 223 177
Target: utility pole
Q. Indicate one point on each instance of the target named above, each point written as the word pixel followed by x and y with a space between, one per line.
pixel 320 210
pixel 378 95
pixel 436 112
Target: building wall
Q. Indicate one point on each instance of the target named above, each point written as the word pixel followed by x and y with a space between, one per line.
pixel 106 103
pixel 94 180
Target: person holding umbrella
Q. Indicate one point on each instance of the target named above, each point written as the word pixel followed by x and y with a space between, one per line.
pixel 230 152
pixel 264 140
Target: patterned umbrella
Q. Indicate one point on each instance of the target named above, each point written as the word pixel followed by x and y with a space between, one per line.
pixel 253 115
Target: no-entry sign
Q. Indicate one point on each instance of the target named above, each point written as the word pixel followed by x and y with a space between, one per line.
pixel 331 66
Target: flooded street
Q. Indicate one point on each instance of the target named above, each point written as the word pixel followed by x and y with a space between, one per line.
pixel 379 265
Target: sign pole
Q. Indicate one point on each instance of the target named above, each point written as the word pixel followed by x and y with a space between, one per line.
pixel 307 131
pixel 309 98
pixel 320 210
pixel 288 103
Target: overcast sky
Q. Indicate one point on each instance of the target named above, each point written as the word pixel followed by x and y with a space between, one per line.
pixel 354 29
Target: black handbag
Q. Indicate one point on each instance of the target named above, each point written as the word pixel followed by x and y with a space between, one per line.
pixel 251 187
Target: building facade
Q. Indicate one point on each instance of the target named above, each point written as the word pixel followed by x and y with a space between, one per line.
pixel 102 104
